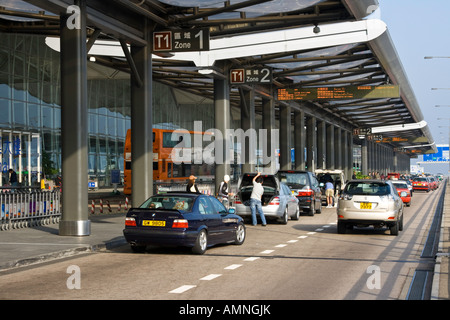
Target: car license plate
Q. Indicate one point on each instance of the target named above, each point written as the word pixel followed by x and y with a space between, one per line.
pixel 365 205
pixel 153 223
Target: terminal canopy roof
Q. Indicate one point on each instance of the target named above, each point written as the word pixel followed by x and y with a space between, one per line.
pixel 362 63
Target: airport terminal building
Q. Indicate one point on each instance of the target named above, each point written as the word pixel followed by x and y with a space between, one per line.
pixel 30 109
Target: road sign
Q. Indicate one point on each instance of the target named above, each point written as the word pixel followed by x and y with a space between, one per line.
pixel 251 75
pixel 347 93
pixel 181 40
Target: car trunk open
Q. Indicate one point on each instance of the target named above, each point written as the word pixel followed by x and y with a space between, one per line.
pixel 270 186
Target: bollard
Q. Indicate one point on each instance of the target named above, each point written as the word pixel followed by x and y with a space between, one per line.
pixel 93 207
pixel 101 205
pixel 126 203
pixel 108 205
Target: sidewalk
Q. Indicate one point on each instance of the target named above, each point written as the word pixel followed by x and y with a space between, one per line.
pixel 441 280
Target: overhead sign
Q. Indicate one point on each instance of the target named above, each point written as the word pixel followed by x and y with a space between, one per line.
pixel 251 75
pixel 347 93
pixel 442 155
pixel 362 131
pixel 181 40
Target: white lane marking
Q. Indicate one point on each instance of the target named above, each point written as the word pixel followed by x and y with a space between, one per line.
pixel 251 259
pixel 319 229
pixel 233 266
pixel 211 276
pixel 267 251
pixel 311 233
pixel 327 226
pixel 303 237
pixel 182 289
pixel 292 241
pixel 281 245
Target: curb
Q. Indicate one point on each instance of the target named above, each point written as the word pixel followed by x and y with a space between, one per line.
pixel 63 254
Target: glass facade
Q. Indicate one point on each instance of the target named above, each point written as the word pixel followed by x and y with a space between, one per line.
pixel 30 104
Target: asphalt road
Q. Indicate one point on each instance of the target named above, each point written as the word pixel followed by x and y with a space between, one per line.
pixel 304 259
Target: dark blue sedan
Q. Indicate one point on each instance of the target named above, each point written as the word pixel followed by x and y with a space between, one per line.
pixel 182 219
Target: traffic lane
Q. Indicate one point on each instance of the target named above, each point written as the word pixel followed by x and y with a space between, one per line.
pixel 331 266
pixel 309 260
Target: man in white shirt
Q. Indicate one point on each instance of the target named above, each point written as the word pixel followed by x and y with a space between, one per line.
pixel 255 200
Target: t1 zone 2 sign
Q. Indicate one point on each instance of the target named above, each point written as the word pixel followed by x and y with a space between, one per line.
pixel 251 75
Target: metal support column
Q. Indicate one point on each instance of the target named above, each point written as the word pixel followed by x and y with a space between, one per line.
pixel 222 122
pixel 321 145
pixel 337 148
pixel 311 144
pixel 268 123
pixel 365 157
pixel 330 147
pixel 285 138
pixel 299 140
pixel 141 123
pixel 74 112
pixel 248 125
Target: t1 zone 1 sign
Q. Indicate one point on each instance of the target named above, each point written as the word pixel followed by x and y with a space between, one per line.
pixel 181 40
pixel 251 75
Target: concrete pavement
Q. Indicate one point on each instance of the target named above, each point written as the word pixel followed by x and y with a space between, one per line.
pixel 26 246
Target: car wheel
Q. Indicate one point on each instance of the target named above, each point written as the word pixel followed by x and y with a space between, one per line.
pixel 240 234
pixel 320 207
pixel 312 210
pixel 341 227
pixel 394 228
pixel 285 217
pixel 296 216
pixel 201 243
pixel 400 224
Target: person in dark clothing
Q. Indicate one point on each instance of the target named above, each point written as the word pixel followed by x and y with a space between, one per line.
pixel 13 178
pixel 192 187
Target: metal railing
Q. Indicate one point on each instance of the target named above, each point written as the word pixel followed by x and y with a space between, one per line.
pixel 28 207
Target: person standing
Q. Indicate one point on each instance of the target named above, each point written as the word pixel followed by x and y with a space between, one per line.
pixel 255 200
pixel 224 191
pixel 329 192
pixel 192 187
pixel 13 178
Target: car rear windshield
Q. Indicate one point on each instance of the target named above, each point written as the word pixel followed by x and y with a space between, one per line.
pixel 169 202
pixel 367 188
pixel 401 185
pixel 294 180
pixel 420 179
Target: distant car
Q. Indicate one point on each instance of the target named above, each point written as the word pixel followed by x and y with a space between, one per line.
pixel 278 203
pixel 403 191
pixel 182 219
pixel 305 187
pixel 434 183
pixel 370 203
pixel 421 183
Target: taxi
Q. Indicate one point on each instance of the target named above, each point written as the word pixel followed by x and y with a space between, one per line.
pixel 403 191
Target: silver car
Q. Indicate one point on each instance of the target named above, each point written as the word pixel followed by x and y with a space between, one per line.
pixel 278 203
pixel 370 202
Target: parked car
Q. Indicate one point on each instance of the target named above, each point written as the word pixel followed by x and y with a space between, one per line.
pixel 305 187
pixel 421 183
pixel 182 219
pixel 277 201
pixel 403 191
pixel 337 177
pixel 370 203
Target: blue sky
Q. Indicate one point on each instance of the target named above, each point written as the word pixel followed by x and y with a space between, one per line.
pixel 420 28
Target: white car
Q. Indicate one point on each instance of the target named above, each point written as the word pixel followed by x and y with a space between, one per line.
pixel 278 203
pixel 370 202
